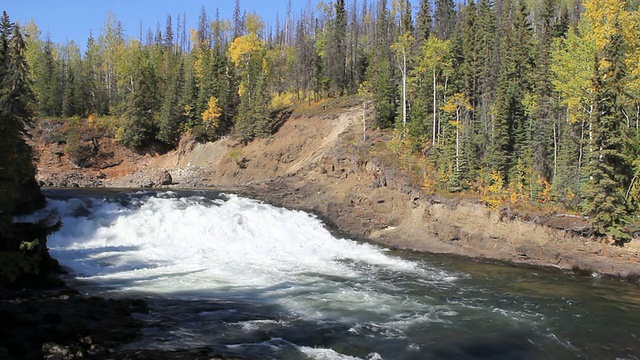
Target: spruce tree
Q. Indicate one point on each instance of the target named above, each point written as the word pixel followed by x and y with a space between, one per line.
pixel 336 51
pixel 380 76
pixel 511 127
pixel 610 170
pixel 544 108
pixel 142 104
pixel 47 81
pixel 171 115
pixel 423 22
pixel 16 100
pixel 444 19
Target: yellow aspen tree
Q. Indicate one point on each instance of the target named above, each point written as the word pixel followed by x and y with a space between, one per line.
pixel 242 52
pixel 211 116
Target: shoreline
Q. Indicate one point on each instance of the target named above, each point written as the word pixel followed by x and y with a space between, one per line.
pixel 552 253
pixel 589 258
pixel 439 233
pixel 322 164
pixel 59 322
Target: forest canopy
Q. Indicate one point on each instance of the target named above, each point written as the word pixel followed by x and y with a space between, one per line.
pixel 522 101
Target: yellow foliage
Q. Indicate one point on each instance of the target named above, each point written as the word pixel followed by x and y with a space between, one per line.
pixel 399 143
pixel 106 124
pixel 492 192
pixel 514 193
pixel 428 184
pixel 604 16
pixel 119 134
pixel 544 196
pixel 187 109
pixel 193 36
pixel 211 116
pixel 283 100
pixel 253 23
pixel 573 56
pixel 242 89
pixel 244 48
pixel 456 102
pixel 198 66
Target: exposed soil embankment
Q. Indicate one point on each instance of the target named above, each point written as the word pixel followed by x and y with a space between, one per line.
pixel 323 163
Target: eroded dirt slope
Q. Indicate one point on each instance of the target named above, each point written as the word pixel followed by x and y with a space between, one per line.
pixel 322 163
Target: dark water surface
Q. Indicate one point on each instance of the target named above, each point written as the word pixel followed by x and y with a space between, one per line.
pixel 243 277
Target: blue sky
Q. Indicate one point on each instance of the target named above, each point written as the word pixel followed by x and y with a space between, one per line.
pixel 65 20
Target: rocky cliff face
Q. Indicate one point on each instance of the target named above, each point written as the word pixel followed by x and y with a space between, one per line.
pixel 325 163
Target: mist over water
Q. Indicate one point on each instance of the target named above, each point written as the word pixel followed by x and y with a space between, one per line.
pixel 251 279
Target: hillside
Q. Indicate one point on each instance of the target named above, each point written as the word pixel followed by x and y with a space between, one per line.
pixel 318 161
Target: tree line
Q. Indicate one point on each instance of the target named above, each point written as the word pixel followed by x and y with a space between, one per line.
pixel 523 101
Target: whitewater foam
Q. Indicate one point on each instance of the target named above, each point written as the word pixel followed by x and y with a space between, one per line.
pixel 195 246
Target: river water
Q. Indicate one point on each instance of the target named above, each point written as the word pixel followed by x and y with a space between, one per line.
pixel 243 277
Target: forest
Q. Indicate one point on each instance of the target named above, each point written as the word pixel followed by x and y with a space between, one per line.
pixel 527 102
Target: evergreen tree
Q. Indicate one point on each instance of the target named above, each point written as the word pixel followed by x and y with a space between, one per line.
pixel 423 21
pixel 75 93
pixel 444 19
pixel 511 135
pixel 487 60
pixel 610 170
pixel 336 51
pixel 543 105
pixel 16 101
pixel 238 20
pixel 380 76
pixel 47 81
pixel 171 115
pixel 140 125
pixel 466 44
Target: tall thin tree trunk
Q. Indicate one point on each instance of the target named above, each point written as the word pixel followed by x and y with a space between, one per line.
pixel 555 151
pixel 457 141
pixel 404 92
pixel 364 121
pixel 433 138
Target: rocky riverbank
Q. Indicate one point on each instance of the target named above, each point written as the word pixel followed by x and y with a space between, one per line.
pixel 45 319
pixel 324 163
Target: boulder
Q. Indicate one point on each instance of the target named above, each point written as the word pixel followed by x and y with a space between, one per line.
pixel 164 178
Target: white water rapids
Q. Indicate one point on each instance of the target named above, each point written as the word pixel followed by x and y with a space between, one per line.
pixel 265 282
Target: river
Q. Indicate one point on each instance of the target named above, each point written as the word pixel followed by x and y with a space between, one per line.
pixel 246 278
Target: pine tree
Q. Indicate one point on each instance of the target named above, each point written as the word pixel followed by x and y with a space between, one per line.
pixel 238 21
pixel 171 116
pixel 47 81
pixel 94 96
pixel 511 135
pixel 423 21
pixel 444 19
pixel 336 51
pixel 543 105
pixel 16 101
pixel 380 76
pixel 610 170
pixel 140 125
pixel 466 78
